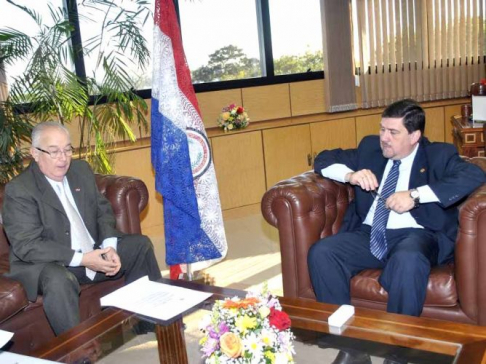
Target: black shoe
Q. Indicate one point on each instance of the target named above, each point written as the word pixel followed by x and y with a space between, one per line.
pixel 348 356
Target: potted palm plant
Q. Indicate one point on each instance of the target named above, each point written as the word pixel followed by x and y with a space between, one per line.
pixel 103 103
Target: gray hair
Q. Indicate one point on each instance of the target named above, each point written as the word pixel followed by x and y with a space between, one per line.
pixel 41 127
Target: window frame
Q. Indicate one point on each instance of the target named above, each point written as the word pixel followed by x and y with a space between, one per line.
pixel 266 40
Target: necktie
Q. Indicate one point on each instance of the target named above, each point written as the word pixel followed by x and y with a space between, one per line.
pixel 79 233
pixel 378 244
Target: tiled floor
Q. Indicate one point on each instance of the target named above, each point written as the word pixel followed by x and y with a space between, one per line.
pixel 253 252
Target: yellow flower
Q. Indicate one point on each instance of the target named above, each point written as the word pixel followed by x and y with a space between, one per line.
pixel 245 322
pixel 230 126
pixel 225 115
pixel 269 355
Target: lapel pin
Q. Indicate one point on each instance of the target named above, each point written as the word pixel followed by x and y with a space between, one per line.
pixel 422 170
pixel 77 189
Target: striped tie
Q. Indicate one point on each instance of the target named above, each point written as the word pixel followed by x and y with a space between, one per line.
pixel 378 244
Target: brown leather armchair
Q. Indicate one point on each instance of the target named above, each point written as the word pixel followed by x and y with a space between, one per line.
pixel 309 207
pixel 128 197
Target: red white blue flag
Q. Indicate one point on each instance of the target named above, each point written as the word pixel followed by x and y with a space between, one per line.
pixel 181 157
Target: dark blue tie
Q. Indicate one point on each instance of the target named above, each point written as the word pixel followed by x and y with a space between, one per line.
pixel 378 244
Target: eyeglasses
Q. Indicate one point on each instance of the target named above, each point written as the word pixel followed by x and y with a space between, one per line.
pixel 57 153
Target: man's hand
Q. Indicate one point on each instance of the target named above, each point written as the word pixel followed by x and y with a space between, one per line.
pixel 363 178
pixel 400 202
pixel 110 264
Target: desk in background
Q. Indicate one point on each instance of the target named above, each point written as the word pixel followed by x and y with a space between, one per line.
pixel 468 136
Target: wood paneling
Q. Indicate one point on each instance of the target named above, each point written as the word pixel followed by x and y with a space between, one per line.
pixel 434 124
pixel 449 112
pixel 211 104
pixel 238 161
pixel 286 152
pixel 333 134
pixel 367 125
pixel 267 102
pixel 137 163
pixel 307 97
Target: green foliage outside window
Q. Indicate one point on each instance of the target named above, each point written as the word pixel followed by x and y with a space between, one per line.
pixel 231 63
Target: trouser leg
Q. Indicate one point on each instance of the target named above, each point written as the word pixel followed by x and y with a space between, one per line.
pixel 138 258
pixel 334 260
pixel 407 269
pixel 60 291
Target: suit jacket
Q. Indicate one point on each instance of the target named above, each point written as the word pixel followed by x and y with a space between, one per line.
pixel 37 226
pixel 436 164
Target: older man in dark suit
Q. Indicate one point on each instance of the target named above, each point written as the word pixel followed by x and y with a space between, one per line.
pixel 404 215
pixel 62 230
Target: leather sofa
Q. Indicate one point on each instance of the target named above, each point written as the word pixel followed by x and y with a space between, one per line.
pixel 128 197
pixel 309 207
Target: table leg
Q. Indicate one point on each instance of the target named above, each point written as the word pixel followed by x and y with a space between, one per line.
pixel 171 343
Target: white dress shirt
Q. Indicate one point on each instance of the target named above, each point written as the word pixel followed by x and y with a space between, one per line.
pixel 75 245
pixel 337 172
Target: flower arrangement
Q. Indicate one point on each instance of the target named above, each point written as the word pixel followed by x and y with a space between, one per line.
pixel 233 117
pixel 249 330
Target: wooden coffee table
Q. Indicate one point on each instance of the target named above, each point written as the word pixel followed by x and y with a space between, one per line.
pixel 460 342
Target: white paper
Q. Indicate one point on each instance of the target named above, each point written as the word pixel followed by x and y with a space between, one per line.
pixel 5 337
pixel 479 108
pixel 12 358
pixel 154 299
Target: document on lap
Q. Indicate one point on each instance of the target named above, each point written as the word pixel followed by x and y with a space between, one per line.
pixel 5 337
pixel 153 299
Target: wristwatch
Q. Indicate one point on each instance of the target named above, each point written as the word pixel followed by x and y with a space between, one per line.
pixel 415 196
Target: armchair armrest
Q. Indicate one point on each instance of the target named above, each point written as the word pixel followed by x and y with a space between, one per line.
pixel 304 209
pixel 128 197
pixel 12 298
pixel 470 256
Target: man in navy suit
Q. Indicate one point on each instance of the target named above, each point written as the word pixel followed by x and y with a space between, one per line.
pixel 419 214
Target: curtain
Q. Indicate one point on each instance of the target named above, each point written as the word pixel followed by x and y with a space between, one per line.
pixel 339 91
pixel 420 49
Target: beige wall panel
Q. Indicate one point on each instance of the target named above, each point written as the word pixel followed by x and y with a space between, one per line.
pixel 238 161
pixel 333 134
pixel 367 125
pixel 286 152
pixel 307 97
pixel 211 104
pixel 449 112
pixel 267 102
pixel 137 163
pixel 434 124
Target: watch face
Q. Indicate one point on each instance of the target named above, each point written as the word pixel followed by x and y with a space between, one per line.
pixel 414 194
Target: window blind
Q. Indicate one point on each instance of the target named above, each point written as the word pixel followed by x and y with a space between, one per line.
pixel 421 49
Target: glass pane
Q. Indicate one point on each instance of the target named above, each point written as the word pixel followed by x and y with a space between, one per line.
pixel 15 18
pixel 296 36
pixel 94 20
pixel 220 39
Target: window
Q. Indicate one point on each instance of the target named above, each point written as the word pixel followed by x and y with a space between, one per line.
pixel 296 36
pixel 251 42
pixel 91 20
pixel 228 43
pixel 12 16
